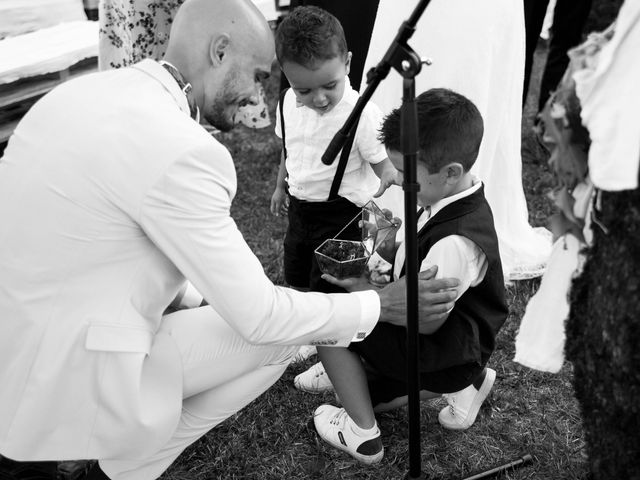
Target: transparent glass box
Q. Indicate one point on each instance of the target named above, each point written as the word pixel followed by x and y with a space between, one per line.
pixel 348 258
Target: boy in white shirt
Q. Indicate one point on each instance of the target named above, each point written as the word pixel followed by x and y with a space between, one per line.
pixel 312 51
pixel 456 233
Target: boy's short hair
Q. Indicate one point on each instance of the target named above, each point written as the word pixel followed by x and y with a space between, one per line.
pixel 308 34
pixel 450 129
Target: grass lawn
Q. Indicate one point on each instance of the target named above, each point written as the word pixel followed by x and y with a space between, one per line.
pixel 527 412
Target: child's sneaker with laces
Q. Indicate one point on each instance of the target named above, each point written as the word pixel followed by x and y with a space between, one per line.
pixel 313 380
pixel 304 352
pixel 464 405
pixel 335 427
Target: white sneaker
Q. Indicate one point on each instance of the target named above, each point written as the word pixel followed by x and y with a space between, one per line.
pixel 465 404
pixel 334 426
pixel 313 380
pixel 305 352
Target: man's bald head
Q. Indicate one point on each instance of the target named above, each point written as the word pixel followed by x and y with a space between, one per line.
pixel 213 42
pixel 197 22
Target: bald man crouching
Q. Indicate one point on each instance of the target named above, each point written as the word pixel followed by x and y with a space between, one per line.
pixel 112 196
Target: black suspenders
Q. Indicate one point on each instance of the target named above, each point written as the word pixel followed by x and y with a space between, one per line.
pixel 344 154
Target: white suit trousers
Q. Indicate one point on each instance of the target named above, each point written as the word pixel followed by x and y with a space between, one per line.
pixel 222 374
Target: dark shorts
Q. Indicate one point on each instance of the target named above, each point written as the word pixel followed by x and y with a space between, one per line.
pixel 310 224
pixel 385 356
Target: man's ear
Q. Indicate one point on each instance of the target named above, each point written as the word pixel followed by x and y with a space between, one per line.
pixel 219 48
pixel 453 172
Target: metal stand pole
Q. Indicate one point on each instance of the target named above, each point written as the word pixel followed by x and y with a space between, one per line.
pixel 401 57
pixel 409 139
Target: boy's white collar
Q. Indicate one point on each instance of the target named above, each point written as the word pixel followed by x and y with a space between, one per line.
pixel 436 207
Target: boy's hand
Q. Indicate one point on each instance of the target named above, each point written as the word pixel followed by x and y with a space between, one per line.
pixel 279 202
pixel 390 176
pixel 351 284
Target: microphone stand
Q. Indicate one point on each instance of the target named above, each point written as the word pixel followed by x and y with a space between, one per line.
pixel 401 57
pixel 397 53
pixel 404 59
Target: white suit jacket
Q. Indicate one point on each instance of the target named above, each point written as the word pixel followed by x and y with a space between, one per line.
pixel 110 196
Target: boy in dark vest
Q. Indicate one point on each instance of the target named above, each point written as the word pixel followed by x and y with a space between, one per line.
pixel 455 233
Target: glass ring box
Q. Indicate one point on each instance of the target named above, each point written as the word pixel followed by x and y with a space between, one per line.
pixel 348 258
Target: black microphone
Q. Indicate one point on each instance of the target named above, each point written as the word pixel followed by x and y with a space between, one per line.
pixel 336 144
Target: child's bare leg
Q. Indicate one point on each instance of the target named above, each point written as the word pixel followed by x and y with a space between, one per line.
pixel 353 427
pixel 349 380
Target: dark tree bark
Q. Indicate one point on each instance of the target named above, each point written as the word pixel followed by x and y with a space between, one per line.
pixel 603 340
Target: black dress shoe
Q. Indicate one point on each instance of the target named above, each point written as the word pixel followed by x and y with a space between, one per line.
pixel 12 470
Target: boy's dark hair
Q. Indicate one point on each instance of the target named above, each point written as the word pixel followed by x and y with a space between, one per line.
pixel 450 129
pixel 308 34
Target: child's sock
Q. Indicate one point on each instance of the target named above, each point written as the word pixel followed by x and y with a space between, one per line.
pixel 363 432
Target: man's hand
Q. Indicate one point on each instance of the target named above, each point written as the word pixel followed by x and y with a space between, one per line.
pixel 435 300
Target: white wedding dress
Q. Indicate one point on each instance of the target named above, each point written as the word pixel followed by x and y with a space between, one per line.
pixel 477 49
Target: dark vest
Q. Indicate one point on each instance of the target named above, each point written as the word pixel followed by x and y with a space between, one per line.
pixel 468 335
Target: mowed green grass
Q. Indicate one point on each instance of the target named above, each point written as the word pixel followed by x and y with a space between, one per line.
pixel 528 412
